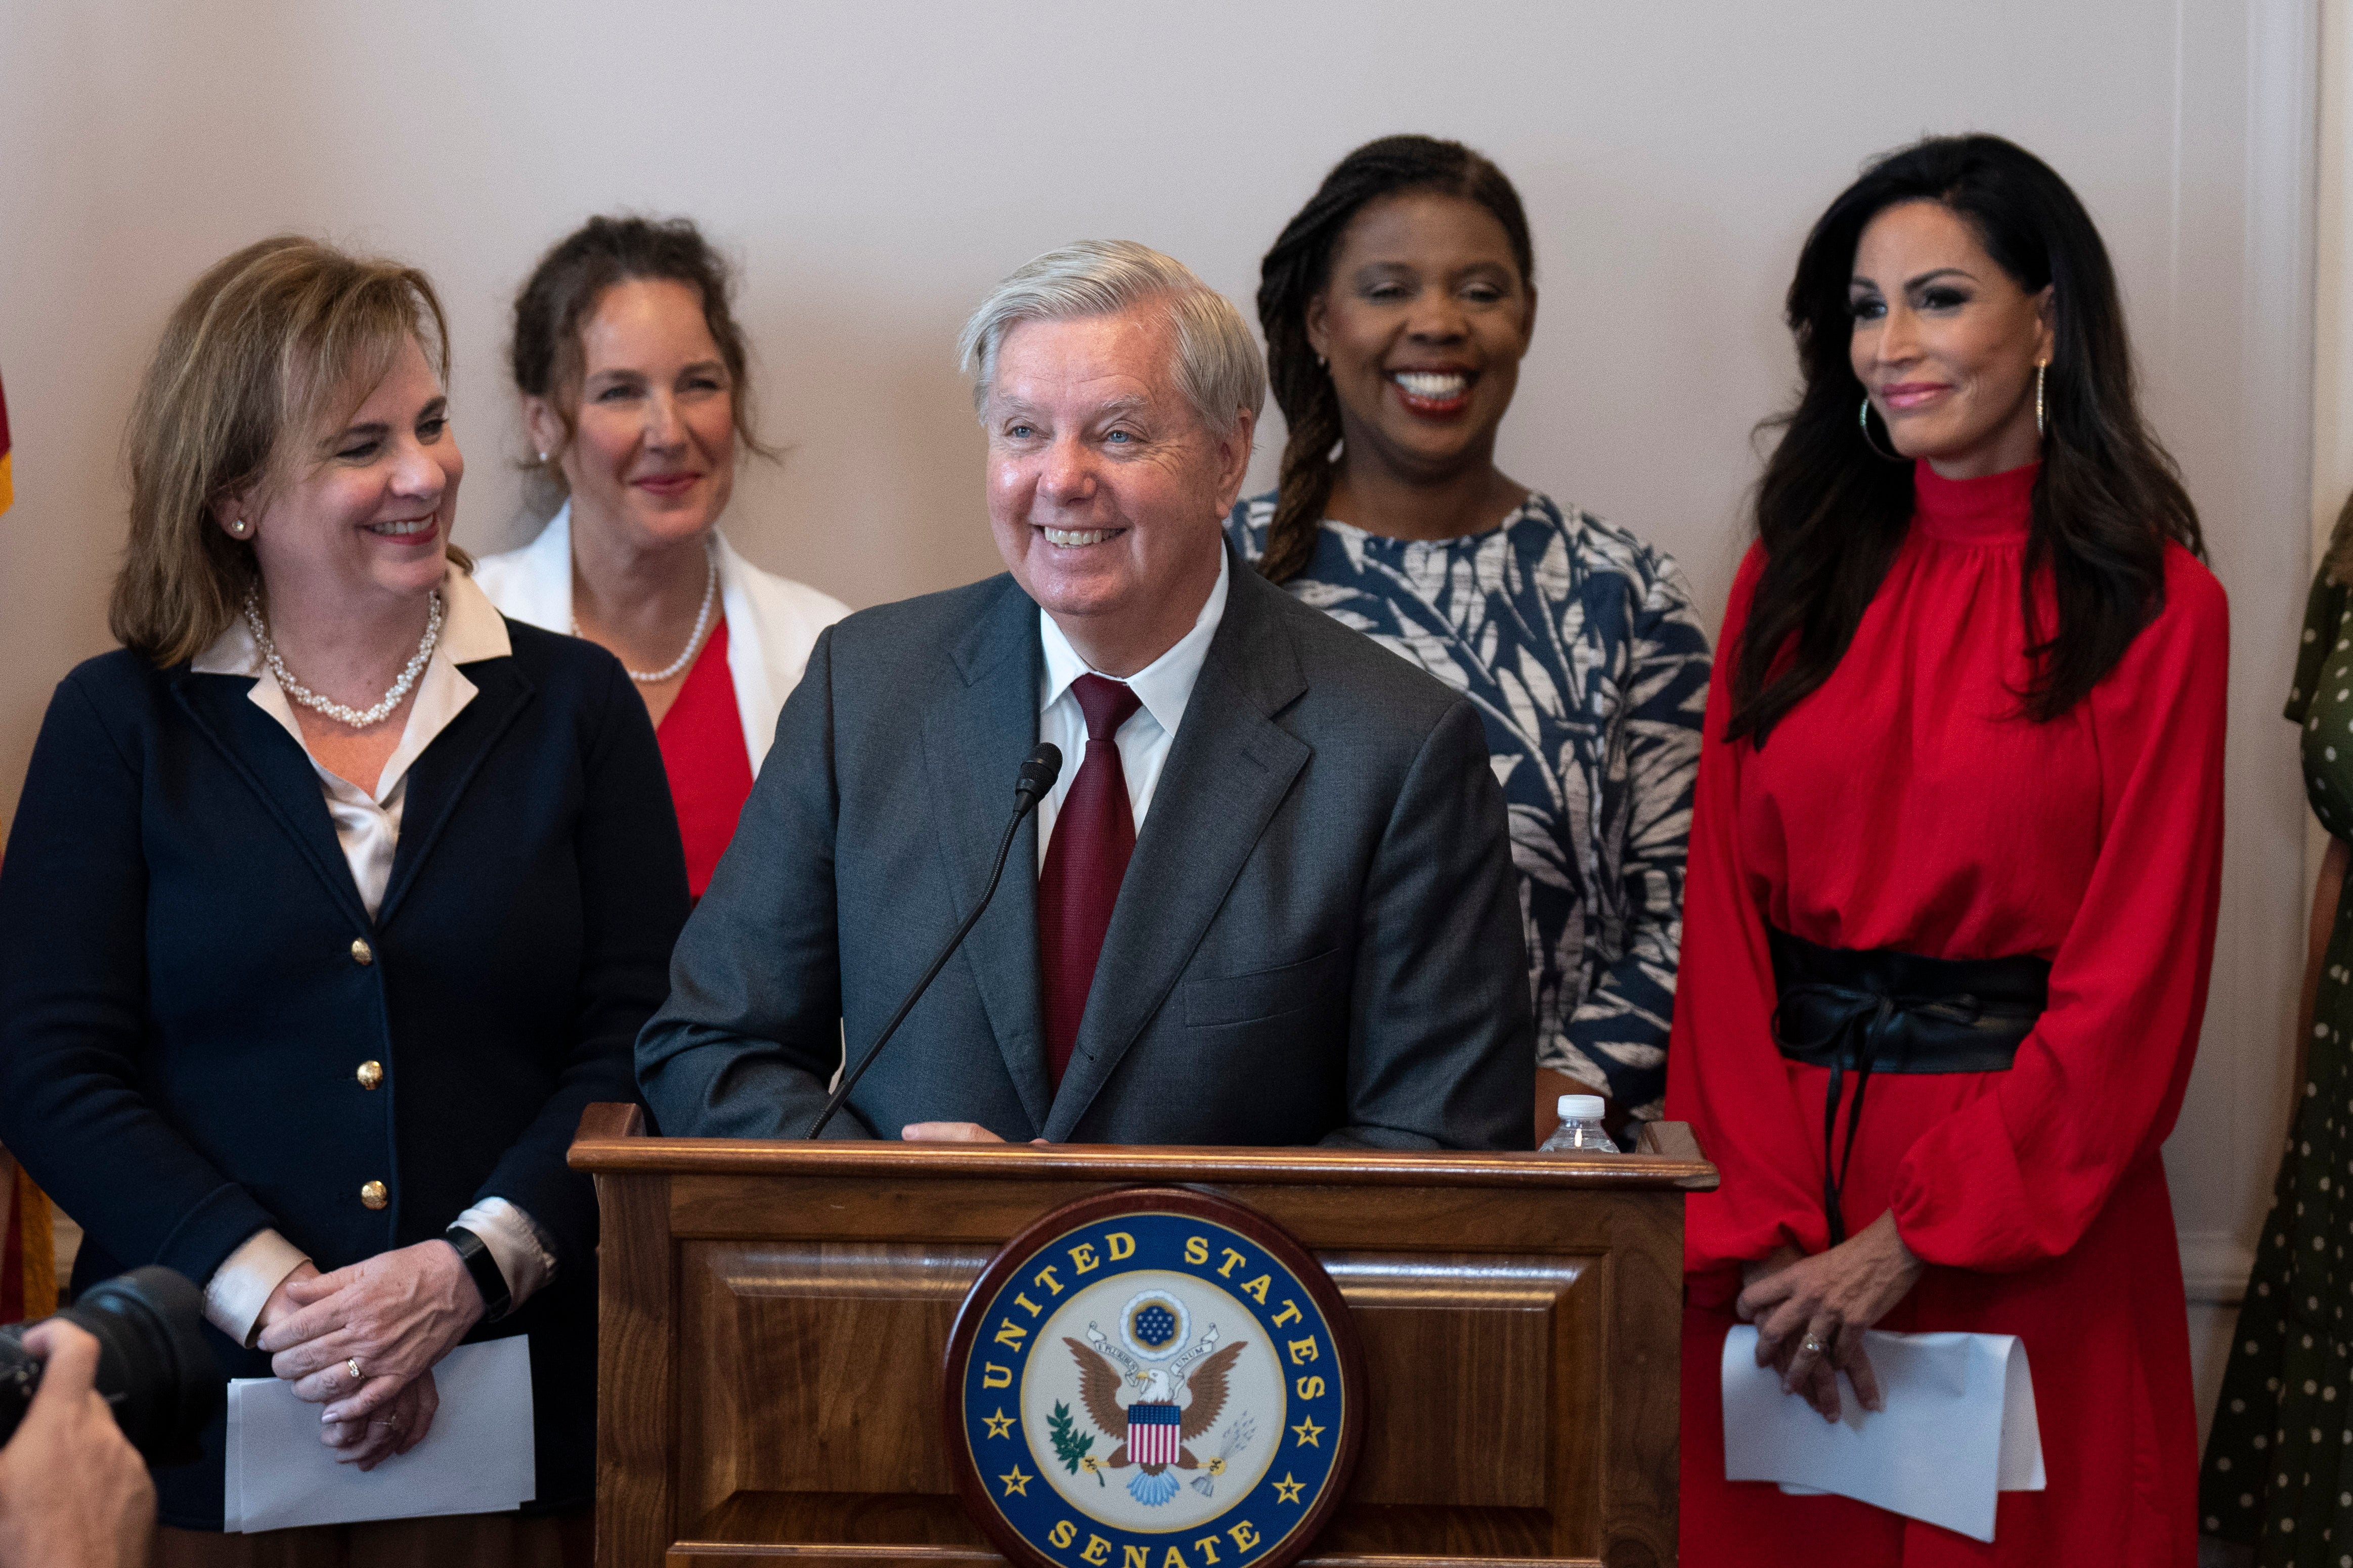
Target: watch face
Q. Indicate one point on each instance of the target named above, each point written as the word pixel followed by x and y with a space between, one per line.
pixel 1154 1378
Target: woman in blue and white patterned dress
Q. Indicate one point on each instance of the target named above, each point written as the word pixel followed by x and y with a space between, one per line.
pixel 1397 307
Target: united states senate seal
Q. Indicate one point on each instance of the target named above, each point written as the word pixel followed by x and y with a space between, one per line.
pixel 1154 1378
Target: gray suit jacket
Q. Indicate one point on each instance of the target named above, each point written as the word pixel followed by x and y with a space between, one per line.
pixel 1318 939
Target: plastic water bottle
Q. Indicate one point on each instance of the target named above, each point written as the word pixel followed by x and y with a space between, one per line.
pixel 1580 1127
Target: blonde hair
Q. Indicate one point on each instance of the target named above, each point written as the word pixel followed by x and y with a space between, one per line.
pixel 255 355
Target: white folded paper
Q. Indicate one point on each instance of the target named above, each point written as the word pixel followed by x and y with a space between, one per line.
pixel 1958 1427
pixel 478 1457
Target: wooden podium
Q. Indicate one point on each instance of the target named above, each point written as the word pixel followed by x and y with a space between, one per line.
pixel 774 1317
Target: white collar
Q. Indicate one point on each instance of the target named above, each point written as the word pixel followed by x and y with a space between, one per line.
pixel 540 590
pixel 1164 685
pixel 471 628
pixel 535 583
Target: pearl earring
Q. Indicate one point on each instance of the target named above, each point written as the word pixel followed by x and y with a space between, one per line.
pixel 543 459
pixel 241 528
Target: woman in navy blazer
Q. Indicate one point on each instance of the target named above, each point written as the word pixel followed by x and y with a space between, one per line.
pixel 332 899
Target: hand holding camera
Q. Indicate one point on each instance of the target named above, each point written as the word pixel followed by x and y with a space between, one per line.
pixel 120 1380
pixel 73 1491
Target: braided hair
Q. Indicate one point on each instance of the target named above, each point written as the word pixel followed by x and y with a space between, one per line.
pixel 1299 268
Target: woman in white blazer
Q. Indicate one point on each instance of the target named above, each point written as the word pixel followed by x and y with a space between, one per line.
pixel 634 381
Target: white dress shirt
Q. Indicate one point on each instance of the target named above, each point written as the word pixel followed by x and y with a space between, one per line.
pixel 367 827
pixel 1162 687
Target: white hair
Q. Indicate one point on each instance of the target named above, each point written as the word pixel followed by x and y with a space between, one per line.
pixel 1217 365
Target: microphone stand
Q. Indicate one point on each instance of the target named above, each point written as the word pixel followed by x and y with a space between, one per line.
pixel 1036 777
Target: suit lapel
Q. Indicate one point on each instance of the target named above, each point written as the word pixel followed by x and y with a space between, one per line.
pixel 975 739
pixel 441 772
pixel 278 770
pixel 1229 770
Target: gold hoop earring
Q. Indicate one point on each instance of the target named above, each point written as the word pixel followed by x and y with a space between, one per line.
pixel 2041 425
pixel 1862 419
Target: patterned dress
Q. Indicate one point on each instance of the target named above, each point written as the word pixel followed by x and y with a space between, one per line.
pixel 1577 644
pixel 2279 1459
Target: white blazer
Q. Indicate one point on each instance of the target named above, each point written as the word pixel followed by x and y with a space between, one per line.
pixel 772 621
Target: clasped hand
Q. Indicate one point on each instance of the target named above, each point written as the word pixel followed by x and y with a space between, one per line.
pixel 1827 1300
pixel 953 1133
pixel 396 1314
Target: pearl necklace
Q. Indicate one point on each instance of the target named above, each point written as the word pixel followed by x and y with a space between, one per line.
pixel 693 639
pixel 357 719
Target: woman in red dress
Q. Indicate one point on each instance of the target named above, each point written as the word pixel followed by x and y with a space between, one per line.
pixel 1955 850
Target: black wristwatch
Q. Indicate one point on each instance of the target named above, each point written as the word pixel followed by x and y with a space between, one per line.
pixel 476 1255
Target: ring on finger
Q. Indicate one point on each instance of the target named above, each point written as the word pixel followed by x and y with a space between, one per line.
pixel 351 1366
pixel 1813 1346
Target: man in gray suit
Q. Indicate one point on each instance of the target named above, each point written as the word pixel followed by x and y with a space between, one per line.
pixel 1273 901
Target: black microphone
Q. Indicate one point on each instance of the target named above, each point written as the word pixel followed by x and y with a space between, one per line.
pixel 1029 786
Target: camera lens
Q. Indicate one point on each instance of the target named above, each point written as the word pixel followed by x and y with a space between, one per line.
pixel 154 1369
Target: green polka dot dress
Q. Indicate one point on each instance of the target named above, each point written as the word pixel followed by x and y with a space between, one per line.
pixel 2279 1461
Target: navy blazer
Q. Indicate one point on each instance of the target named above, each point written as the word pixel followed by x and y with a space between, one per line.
pixel 184 1000
pixel 1318 939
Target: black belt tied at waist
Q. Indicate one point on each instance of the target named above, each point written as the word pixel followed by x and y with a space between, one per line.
pixel 1878 1010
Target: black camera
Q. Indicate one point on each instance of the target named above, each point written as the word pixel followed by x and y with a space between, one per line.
pixel 154 1370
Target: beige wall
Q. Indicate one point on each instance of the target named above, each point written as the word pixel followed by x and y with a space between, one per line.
pixel 875 166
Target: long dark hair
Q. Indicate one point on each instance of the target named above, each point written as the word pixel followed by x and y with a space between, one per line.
pixel 562 293
pixel 1298 268
pixel 2337 559
pixel 1831 514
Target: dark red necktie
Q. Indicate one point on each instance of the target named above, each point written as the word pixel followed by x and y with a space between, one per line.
pixel 1093 834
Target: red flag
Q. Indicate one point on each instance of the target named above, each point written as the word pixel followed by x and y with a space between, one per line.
pixel 7 490
pixel 28 1255
pixel 28 1277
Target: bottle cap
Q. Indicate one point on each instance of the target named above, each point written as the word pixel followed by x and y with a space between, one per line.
pixel 1579 1108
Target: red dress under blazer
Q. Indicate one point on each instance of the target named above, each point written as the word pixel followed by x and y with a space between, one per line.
pixel 1907 805
pixel 703 751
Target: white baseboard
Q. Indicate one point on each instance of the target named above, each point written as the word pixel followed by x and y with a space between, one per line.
pixel 2214 1266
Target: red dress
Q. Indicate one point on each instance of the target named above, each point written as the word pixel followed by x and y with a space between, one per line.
pixel 1903 804
pixel 703 751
